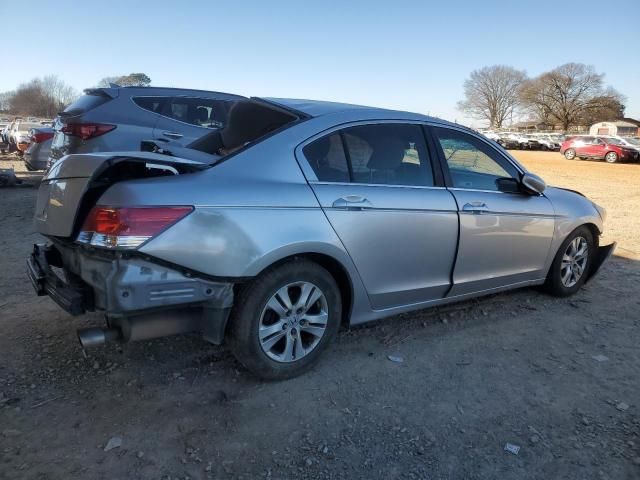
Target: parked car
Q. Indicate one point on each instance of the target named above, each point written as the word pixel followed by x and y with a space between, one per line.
pixel 511 141
pixel 547 142
pixel 119 118
pixel 627 142
pixel 304 216
pixel 19 135
pixel 4 145
pixel 495 136
pixel 595 147
pixel 37 154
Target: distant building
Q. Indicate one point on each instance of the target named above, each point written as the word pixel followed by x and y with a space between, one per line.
pixel 624 128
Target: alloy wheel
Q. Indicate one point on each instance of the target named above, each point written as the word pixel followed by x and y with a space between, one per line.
pixel 611 157
pixel 574 261
pixel 293 322
pixel 570 154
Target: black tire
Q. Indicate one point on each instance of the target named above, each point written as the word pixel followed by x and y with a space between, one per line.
pixel 570 154
pixel 553 284
pixel 250 302
pixel 611 157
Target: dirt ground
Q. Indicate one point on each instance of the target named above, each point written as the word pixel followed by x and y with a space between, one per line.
pixel 556 377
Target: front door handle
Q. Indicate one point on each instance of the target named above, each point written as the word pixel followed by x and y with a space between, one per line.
pixel 173 134
pixel 475 207
pixel 352 202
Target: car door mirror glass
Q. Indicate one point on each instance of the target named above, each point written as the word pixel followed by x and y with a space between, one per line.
pixel 533 183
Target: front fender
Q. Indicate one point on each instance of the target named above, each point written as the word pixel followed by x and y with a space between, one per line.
pixel 572 210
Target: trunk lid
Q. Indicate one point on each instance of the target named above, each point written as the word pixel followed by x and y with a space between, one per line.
pixel 74 184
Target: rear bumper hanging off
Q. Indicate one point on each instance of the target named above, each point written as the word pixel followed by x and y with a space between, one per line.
pixel 140 298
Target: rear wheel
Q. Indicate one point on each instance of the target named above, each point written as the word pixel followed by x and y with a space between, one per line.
pixel 569 154
pixel 284 319
pixel 571 264
pixel 611 157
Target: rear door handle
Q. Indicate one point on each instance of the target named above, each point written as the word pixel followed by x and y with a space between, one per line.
pixel 173 134
pixel 352 202
pixel 475 207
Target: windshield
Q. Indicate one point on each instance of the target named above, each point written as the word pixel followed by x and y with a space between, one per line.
pixel 613 141
pixel 634 141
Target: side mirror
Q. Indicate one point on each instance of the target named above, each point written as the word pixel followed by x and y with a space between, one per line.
pixel 508 185
pixel 533 183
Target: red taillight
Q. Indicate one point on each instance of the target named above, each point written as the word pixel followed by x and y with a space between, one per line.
pixel 41 137
pixel 86 130
pixel 128 227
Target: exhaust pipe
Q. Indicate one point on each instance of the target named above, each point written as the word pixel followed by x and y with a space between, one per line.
pixel 95 336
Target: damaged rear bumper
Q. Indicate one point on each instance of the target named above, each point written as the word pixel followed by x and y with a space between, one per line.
pixel 141 298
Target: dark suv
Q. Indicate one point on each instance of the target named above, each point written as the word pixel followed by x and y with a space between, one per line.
pixel 120 118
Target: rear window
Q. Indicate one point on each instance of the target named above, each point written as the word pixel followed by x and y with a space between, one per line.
pixel 86 103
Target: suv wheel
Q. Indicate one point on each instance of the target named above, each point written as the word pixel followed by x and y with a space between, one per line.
pixel 569 154
pixel 284 319
pixel 611 157
pixel 571 264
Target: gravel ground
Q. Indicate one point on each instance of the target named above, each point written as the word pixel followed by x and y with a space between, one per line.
pixel 556 377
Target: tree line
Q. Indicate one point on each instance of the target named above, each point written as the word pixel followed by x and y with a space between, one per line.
pixel 46 96
pixel 569 95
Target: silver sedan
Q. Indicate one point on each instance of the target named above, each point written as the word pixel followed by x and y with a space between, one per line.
pixel 296 218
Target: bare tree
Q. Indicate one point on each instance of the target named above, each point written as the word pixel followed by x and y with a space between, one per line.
pixel 491 93
pixel 568 94
pixel 5 103
pixel 42 97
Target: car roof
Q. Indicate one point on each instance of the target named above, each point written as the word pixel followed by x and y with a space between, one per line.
pixel 318 108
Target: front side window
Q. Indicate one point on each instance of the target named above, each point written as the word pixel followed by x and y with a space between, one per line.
pixel 472 163
pixel 201 112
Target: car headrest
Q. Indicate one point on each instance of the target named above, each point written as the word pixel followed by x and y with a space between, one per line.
pixel 387 154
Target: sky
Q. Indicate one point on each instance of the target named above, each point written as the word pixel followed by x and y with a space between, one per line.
pixel 401 54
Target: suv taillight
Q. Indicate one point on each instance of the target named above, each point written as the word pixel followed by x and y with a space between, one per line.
pixel 127 228
pixel 86 130
pixel 41 137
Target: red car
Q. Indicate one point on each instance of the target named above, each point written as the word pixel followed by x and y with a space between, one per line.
pixel 609 149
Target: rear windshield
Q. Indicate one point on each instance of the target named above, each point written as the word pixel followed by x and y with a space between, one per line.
pixel 86 103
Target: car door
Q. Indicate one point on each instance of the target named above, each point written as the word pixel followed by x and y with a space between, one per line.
pixel 505 234
pixel 184 119
pixel 586 147
pixel 376 185
pixel 598 148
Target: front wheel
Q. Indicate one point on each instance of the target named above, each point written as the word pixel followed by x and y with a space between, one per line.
pixel 571 264
pixel 611 157
pixel 569 154
pixel 284 319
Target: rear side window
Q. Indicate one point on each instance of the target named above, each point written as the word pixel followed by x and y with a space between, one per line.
pixel 153 104
pixel 388 154
pixel 327 159
pixel 201 112
pixel 385 154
